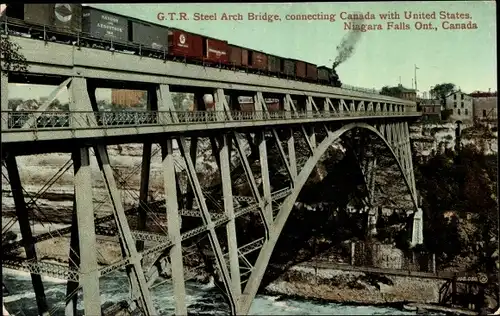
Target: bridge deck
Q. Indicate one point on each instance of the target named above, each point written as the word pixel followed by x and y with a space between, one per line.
pixel 82 125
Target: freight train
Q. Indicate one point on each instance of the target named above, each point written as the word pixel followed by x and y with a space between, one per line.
pixel 91 27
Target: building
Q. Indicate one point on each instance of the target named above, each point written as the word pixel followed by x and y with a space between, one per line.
pixel 128 98
pixel 485 106
pixel 459 106
pixel 408 94
pixel 431 108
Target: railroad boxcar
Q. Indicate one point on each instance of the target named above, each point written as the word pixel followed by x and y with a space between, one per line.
pixel 215 51
pixel 59 17
pixel 235 54
pixel 288 67
pixel 246 104
pixel 245 62
pixel 149 36
pixel 311 72
pixel 323 74
pixel 273 64
pixel 185 44
pixel 104 25
pixel 273 105
pixel 257 60
pixel 300 69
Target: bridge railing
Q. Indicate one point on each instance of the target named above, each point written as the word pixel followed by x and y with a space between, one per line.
pixel 82 120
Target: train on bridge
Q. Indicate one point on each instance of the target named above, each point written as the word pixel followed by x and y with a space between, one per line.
pixel 87 26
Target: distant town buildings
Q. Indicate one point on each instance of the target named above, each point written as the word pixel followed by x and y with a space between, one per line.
pixel 408 94
pixel 431 108
pixel 460 106
pixel 127 98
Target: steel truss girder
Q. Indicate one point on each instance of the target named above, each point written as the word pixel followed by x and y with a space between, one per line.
pixel 252 183
pixel 83 121
pixel 193 179
pixel 80 101
pixel 24 225
pixel 136 274
pixel 285 209
pixel 173 222
pixel 225 173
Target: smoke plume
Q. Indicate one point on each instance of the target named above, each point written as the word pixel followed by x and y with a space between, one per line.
pixel 346 47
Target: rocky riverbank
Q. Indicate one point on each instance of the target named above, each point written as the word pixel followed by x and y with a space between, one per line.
pixel 306 280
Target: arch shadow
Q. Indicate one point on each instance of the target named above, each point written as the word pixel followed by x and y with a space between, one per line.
pixel 265 255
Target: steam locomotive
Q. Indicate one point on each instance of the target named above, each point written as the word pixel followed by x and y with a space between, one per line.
pixel 91 27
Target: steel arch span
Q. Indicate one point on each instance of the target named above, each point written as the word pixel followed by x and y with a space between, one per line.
pixel 390 130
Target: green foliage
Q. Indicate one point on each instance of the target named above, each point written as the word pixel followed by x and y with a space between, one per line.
pixel 14 103
pixel 392 91
pixel 12 59
pixel 464 185
pixel 442 90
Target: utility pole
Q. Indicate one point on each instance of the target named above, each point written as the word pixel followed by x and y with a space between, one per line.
pixel 416 89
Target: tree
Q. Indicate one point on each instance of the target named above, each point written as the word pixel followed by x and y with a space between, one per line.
pixel 442 90
pixel 392 91
pixel 14 103
pixel 12 59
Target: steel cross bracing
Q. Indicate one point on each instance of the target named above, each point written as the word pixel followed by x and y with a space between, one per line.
pixel 318 127
pixel 163 242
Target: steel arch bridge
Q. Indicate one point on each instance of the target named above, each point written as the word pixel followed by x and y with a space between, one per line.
pixel 84 127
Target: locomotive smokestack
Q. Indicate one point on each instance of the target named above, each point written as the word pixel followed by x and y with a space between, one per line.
pixel 346 47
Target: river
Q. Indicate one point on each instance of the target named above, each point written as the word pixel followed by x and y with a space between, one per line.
pixel 201 299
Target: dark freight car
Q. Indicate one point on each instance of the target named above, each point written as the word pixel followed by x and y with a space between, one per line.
pixel 273 105
pixel 234 53
pixel 245 61
pixel 257 60
pixel 60 17
pixel 215 51
pixel 104 25
pixel 300 68
pixel 184 44
pixel 323 74
pixel 149 36
pixel 311 72
pixel 289 67
pixel 274 64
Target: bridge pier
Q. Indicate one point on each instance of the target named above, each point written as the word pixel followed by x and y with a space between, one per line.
pixel 89 270
pixel 225 172
pixel 74 262
pixel 143 190
pixel 173 227
pixel 134 267
pixel 4 86
pixel 152 105
pixel 372 218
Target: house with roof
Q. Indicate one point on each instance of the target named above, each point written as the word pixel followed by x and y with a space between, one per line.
pixel 485 106
pixel 431 109
pixel 460 106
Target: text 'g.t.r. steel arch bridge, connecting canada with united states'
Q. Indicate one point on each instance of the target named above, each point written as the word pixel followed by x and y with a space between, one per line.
pixel 319 115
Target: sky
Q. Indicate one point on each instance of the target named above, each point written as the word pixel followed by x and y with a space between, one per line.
pixel 466 58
